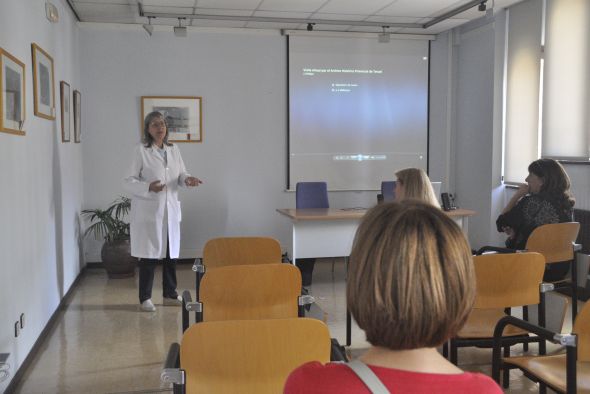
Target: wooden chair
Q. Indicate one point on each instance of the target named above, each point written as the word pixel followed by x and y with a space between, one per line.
pixel 224 251
pixel 503 281
pixel 244 356
pixel 565 373
pixel 220 252
pixel 241 292
pixel 557 243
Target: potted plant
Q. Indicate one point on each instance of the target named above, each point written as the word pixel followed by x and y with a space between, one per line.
pixel 109 225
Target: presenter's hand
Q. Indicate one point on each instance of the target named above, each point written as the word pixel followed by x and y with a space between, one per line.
pixel 156 186
pixel 192 181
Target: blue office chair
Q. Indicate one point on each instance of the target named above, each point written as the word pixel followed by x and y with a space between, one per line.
pixel 311 195
pixel 388 191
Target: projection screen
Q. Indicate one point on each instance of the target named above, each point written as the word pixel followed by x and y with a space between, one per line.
pixel 358 110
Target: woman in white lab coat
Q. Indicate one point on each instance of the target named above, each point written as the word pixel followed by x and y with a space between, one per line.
pixel 153 179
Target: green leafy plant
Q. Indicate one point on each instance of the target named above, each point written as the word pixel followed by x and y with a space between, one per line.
pixel 108 223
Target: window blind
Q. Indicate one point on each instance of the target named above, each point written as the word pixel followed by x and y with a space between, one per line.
pixel 523 56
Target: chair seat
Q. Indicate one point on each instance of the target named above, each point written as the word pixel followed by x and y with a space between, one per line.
pixel 481 324
pixel 551 370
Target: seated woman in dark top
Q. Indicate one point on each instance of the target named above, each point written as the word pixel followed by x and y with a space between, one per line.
pixel 544 199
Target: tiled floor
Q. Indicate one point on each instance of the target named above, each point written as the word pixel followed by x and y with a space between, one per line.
pixel 102 343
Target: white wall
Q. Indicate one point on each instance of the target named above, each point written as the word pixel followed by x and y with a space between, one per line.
pixel 440 136
pixel 41 180
pixel 476 155
pixel 242 77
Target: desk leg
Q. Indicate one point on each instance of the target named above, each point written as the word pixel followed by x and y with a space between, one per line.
pixel 348 317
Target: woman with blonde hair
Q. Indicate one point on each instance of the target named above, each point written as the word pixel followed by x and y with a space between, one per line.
pixel 413 183
pixel 410 287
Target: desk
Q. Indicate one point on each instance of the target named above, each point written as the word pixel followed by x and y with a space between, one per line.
pixel 330 232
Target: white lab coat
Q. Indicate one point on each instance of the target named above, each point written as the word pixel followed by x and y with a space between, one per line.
pixel 155 216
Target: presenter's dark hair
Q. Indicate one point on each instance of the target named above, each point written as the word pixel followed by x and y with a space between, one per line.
pixel 148 140
pixel 411 280
pixel 556 182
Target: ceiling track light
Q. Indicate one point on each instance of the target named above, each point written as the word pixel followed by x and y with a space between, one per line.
pixel 180 31
pixel 385 36
pixel 310 26
pixel 482 6
pixel 148 26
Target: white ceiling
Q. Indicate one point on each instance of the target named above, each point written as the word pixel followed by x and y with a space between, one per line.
pixel 382 11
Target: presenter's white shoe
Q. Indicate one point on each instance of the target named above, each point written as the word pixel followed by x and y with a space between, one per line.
pixel 177 301
pixel 148 306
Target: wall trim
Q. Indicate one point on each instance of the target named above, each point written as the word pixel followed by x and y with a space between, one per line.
pixel 51 323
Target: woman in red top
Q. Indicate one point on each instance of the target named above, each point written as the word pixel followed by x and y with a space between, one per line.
pixel 411 286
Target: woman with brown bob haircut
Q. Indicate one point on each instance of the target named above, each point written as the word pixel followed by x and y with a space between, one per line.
pixel 411 286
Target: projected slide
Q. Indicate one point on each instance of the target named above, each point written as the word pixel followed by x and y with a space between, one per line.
pixel 357 110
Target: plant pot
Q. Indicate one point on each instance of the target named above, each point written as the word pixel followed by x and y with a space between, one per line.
pixel 117 259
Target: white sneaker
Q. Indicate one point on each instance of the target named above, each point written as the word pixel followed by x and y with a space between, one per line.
pixel 173 301
pixel 148 306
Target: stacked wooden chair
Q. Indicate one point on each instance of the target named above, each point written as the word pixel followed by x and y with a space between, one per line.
pixel 249 330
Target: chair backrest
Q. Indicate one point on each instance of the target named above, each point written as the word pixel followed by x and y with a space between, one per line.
pixel 220 252
pixel 266 291
pixel 582 328
pixel 508 280
pixel 311 195
pixel 250 356
pixel 554 241
pixel 388 191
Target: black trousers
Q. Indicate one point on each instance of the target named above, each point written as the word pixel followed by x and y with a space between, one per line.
pixel 146 277
pixel 306 268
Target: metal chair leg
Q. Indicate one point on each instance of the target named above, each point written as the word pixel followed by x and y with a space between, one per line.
pixel 574 270
pixel 525 317
pixel 506 371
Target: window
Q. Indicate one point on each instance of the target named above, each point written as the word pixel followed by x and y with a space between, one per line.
pixel 547 92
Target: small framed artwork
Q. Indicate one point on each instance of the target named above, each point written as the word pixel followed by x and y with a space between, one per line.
pixel 77 115
pixel 183 116
pixel 64 89
pixel 12 94
pixel 43 85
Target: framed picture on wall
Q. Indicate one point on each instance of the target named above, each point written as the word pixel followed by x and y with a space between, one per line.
pixel 12 94
pixel 183 116
pixel 43 83
pixel 66 111
pixel 77 115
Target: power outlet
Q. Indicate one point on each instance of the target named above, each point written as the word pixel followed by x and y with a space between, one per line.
pixel 22 321
pixel 16 329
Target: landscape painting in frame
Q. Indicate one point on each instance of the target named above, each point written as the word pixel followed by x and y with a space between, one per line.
pixel 12 90
pixel 66 111
pixel 43 83
pixel 182 114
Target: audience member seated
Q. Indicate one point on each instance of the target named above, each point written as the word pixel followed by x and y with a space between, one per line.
pixel 413 183
pixel 411 286
pixel 545 198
